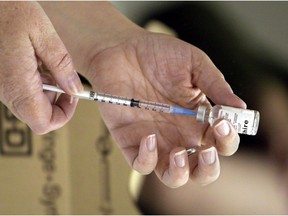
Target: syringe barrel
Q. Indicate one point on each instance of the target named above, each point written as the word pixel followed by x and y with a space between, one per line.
pixel 112 99
pixel 157 107
pixel 118 100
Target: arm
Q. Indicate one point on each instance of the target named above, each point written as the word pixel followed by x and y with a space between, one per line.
pixel 28 40
pixel 86 28
pixel 119 57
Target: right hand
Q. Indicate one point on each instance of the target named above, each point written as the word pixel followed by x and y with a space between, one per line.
pixel 27 37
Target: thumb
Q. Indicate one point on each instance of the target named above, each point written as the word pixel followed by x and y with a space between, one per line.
pixel 51 51
pixel 212 82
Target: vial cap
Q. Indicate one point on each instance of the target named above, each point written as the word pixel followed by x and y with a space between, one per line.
pixel 201 113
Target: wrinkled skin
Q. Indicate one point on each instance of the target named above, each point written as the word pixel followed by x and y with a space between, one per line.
pixel 160 68
pixel 28 39
pixel 132 62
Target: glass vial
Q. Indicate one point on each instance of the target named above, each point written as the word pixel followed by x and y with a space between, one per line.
pixel 244 121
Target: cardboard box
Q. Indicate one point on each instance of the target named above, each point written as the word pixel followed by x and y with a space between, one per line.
pixel 77 169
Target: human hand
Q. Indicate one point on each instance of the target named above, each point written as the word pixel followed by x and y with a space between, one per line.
pixel 163 69
pixel 27 39
pixel 120 58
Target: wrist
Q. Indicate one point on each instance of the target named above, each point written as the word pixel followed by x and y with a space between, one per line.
pixel 88 28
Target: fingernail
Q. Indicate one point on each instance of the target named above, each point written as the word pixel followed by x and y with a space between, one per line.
pixel 74 83
pixel 209 156
pixel 151 142
pixel 180 158
pixel 72 98
pixel 222 128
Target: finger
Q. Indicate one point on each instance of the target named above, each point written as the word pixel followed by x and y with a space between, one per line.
pixel 46 117
pixel 147 157
pixel 226 138
pixel 32 106
pixel 51 51
pixel 49 80
pixel 173 170
pixel 211 81
pixel 208 168
pixel 62 111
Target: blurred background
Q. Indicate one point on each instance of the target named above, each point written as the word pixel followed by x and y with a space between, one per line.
pixel 260 24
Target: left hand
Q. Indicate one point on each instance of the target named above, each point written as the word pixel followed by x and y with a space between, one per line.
pixel 163 69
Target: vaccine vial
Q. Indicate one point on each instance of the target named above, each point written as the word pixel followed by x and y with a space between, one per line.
pixel 244 121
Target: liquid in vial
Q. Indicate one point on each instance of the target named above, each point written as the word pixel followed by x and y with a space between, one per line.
pixel 244 121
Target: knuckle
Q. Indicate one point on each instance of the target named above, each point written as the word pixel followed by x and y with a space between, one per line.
pixel 61 62
pixel 200 57
pixel 25 108
pixel 23 101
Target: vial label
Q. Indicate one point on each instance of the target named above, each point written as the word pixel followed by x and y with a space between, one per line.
pixel 241 119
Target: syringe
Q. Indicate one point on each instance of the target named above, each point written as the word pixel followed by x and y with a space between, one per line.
pixel 119 100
